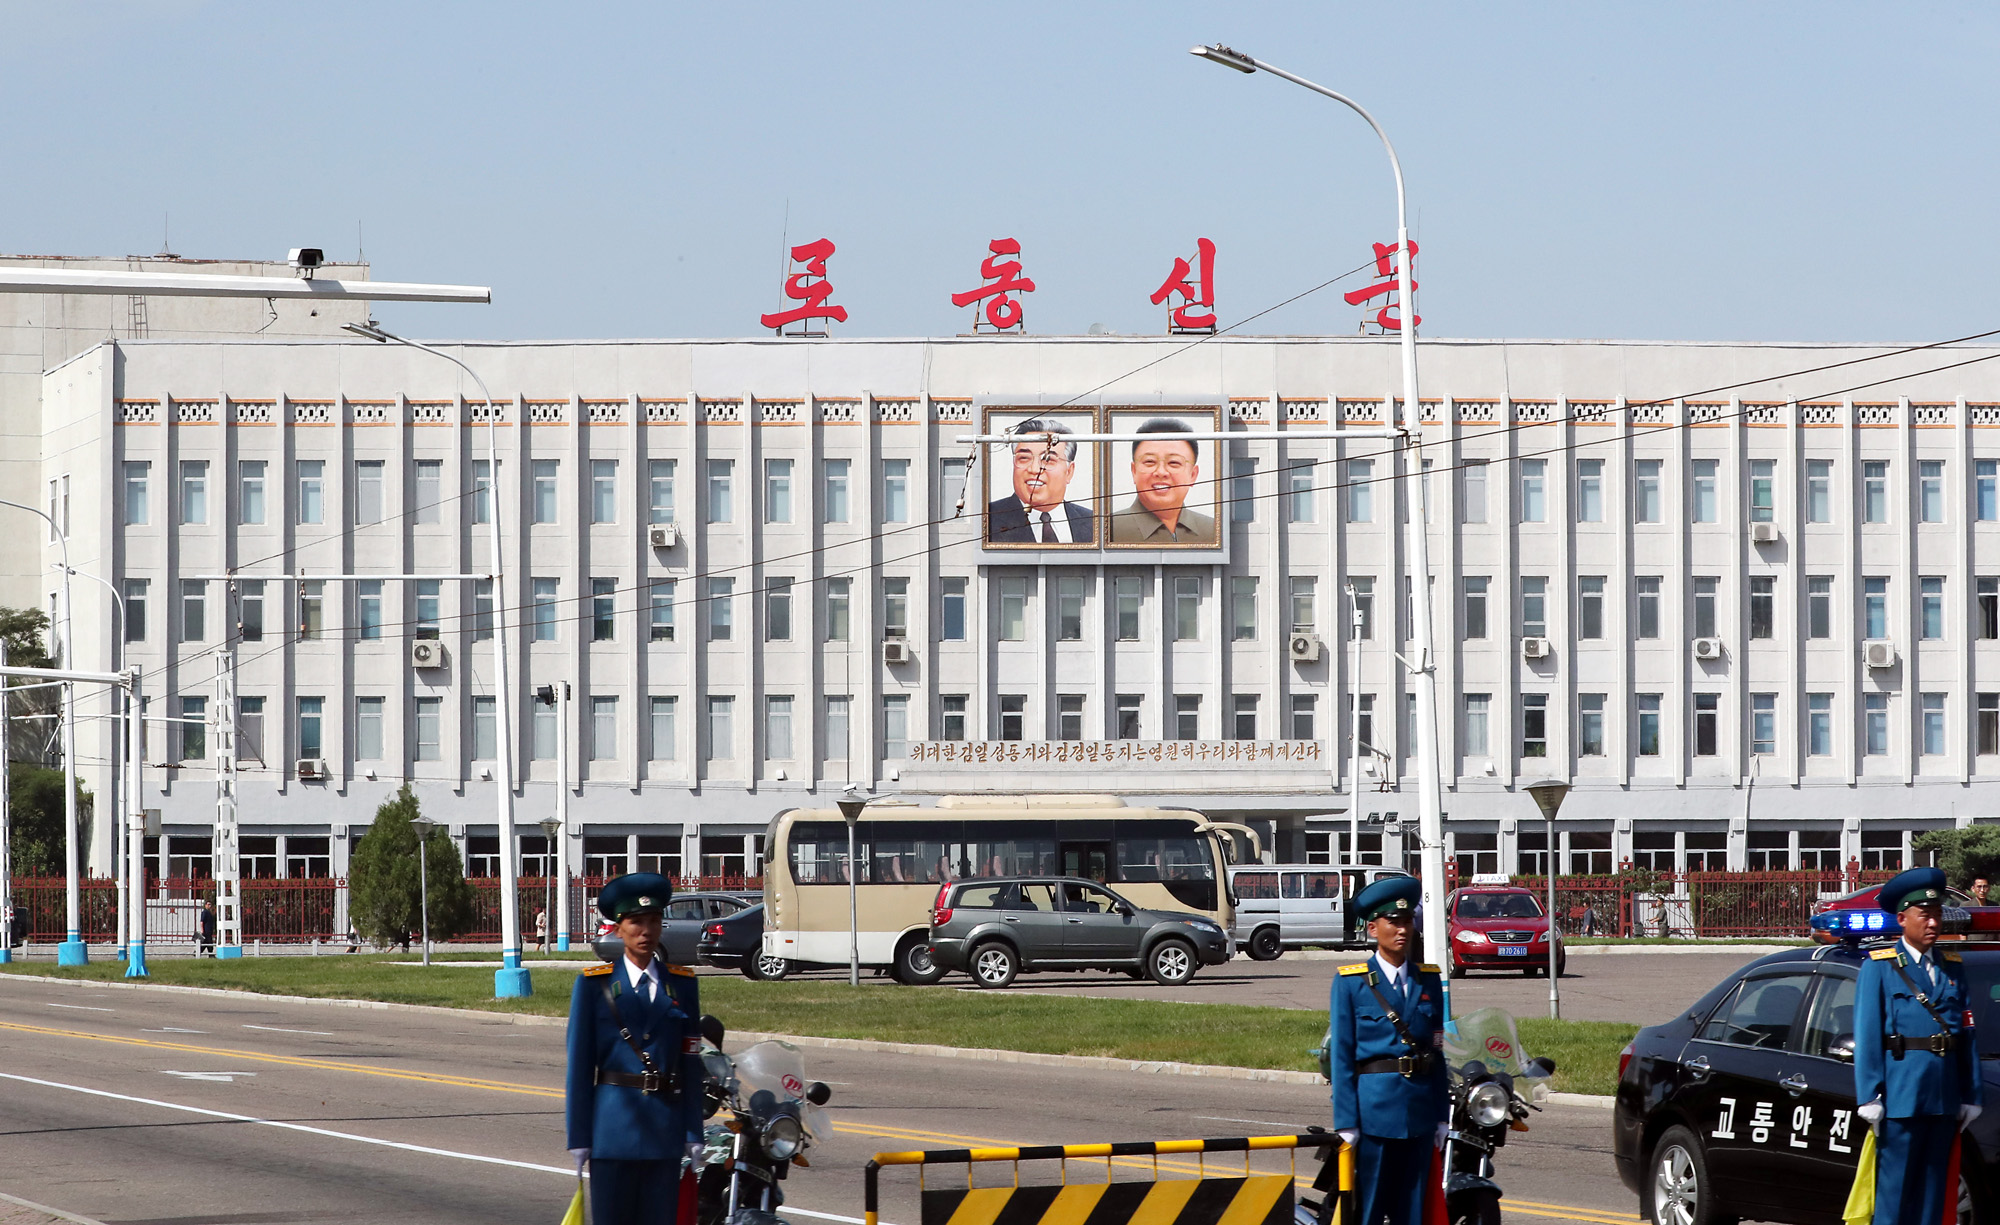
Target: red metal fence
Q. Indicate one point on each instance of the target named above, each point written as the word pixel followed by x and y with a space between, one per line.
pixel 1691 905
pixel 275 911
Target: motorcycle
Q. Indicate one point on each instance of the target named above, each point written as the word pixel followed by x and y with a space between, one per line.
pixel 773 1119
pixel 1494 1087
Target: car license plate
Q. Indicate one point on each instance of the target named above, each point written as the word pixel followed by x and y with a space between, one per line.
pixel 1513 950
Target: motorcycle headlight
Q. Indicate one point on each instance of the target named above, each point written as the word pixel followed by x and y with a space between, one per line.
pixel 1486 1105
pixel 781 1138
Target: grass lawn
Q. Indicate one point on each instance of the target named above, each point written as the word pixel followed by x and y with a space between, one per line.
pixel 1586 1052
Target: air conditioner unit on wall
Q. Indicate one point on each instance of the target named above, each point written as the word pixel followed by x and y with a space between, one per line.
pixel 663 535
pixel 1879 653
pixel 310 768
pixel 1304 647
pixel 426 653
pixel 1534 648
pixel 1708 648
pixel 1763 533
pixel 896 651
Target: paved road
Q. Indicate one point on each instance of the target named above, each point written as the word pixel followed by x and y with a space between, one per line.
pixel 145 1107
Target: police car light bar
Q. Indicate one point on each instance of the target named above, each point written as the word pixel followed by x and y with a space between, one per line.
pixel 1851 924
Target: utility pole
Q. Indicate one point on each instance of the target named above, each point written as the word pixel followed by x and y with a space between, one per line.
pixel 228 860
pixel 1354 726
pixel 6 826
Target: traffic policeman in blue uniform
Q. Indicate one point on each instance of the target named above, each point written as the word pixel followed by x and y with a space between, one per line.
pixel 632 1101
pixel 1916 1069
pixel 1391 1098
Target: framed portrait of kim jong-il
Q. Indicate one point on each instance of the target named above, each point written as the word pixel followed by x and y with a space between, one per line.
pixel 1042 488
pixel 1161 483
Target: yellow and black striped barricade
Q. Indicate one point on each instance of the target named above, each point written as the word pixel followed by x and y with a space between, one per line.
pixel 1231 1198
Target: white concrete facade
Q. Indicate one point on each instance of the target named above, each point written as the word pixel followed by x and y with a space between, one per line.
pixel 1771 744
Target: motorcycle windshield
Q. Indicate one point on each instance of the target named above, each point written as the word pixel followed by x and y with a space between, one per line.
pixel 781 1068
pixel 1489 1036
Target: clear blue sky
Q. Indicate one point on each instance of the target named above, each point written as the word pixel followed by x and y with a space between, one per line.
pixel 1780 171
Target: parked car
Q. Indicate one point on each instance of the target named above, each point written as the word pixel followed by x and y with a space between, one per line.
pixel 993 928
pixel 1289 906
pixel 736 942
pixel 1500 927
pixel 683 919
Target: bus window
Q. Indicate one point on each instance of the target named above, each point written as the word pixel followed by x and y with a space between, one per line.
pixel 1321 885
pixel 1293 883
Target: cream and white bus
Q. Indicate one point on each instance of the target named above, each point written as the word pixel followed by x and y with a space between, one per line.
pixel 1163 858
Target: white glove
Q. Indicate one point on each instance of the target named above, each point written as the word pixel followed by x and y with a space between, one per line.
pixel 1348 1137
pixel 695 1149
pixel 1870 1112
pixel 1967 1113
pixel 1444 1131
pixel 582 1156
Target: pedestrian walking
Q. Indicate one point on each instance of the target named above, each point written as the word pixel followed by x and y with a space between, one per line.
pixel 204 921
pixel 542 928
pixel 632 1101
pixel 1391 1099
pixel 1916 1070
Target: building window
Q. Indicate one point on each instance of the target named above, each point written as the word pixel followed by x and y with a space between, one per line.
pixel 1704 606
pixel 1819 725
pixel 1819 491
pixel 951 599
pixel 1986 489
pixel 660 491
pixel 895 608
pixel 1930 490
pixel 544 590
pixel 1304 708
pixel 482 610
pixel 1128 715
pixel 1244 717
pixel 1704 499
pixel 1590 491
pixel 1242 490
pixel 1364 722
pixel 1187 608
pixel 1534 500
pixel 1472 492
pixel 1881 850
pixel 895 491
pixel 952 483
pixel 1763 490
pixel 485 729
pixel 1590 725
pixel 135 609
pixel 1648 707
pixel 1646 606
pixel 429 619
pixel 1534 725
pixel 1989 607
pixel 1763 724
pixel 604 491
pixel 1304 612
pixel 895 726
pixel 250 491
pixel 661 735
pixel 720 734
pixel 138 475
pixel 1534 607
pixel 194 492
pixel 1360 491
pixel 1069 716
pixel 1128 591
pixel 721 499
pixel 1013 716
pixel 838 602
pixel 1875 491
pixel 1875 725
pixel 1069 608
pixel 1589 606
pixel 1989 723
pixel 721 609
pixel 1707 723
pixel 430 719
pixel 368 609
pixel 194 610
pixel 1473 623
pixel 542 494
pixel 778 727
pixel 367 491
pixel 312 476
pixel 1933 727
pixel 1819 606
pixel 482 491
pixel 1763 606
pixel 312 608
pixel 603 728
pixel 542 732
pixel 1930 607
pixel 1646 507
pixel 1013 608
pixel 1242 609
pixel 193 729
pixel 429 480
pixel 1187 716
pixel 951 716
pixel 603 618
pixel 1478 724
pixel 311 711
pixel 1875 607
pixel 833 490
pixel 1299 491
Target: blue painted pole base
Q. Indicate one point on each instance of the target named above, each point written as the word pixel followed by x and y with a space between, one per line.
pixel 562 944
pixel 229 952
pixel 135 964
pixel 6 956
pixel 512 982
pixel 72 953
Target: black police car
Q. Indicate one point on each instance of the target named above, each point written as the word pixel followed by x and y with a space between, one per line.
pixel 1743 1106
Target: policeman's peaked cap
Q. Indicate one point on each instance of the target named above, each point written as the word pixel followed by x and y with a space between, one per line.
pixel 634 893
pixel 1389 896
pixel 1916 887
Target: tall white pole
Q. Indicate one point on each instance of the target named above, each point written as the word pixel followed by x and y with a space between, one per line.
pixel 560 919
pixel 6 827
pixel 1353 726
pixel 228 860
pixel 135 834
pixel 121 774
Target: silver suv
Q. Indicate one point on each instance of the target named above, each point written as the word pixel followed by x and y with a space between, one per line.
pixel 993 928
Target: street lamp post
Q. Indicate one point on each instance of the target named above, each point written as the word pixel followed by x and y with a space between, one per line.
pixel 1549 795
pixel 557 696
pixel 131 764
pixel 851 802
pixel 551 830
pixel 424 826
pixel 1430 797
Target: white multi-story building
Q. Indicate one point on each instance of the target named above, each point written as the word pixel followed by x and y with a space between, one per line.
pixel 1746 596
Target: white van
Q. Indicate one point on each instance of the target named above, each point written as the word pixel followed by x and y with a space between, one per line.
pixel 1291 905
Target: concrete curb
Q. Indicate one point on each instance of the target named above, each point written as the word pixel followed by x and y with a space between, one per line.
pixel 1602 1101
pixel 55 1214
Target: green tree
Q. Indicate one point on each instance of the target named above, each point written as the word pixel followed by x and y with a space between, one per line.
pixel 1963 853
pixel 26 633
pixel 384 891
pixel 35 820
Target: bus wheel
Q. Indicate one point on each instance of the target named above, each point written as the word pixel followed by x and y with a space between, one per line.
pixel 915 967
pixel 1264 944
pixel 994 964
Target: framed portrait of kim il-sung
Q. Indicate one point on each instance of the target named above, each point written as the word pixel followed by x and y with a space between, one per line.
pixel 1160 485
pixel 1042 487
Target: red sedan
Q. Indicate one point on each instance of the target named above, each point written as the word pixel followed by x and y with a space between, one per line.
pixel 1497 927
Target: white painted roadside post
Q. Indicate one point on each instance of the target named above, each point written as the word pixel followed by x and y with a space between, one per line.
pixel 851 803
pixel 424 826
pixel 1549 795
